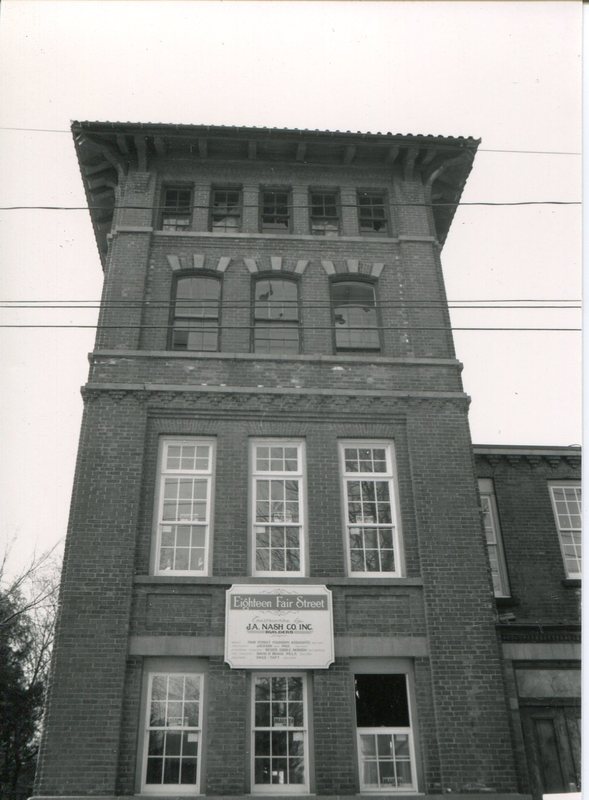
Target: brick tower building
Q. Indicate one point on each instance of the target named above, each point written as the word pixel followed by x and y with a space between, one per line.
pixel 275 577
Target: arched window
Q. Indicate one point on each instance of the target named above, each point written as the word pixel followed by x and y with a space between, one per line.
pixel 195 324
pixel 276 316
pixel 354 316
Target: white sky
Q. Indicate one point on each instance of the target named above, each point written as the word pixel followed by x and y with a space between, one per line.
pixel 509 73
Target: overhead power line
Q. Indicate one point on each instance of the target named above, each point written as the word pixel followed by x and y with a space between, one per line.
pixel 433 204
pixel 479 150
pixel 400 328
pixel 412 305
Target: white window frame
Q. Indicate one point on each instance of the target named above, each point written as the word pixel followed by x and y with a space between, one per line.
pixel 299 476
pixel 165 472
pixel 172 788
pixel 390 477
pixel 493 537
pixel 278 788
pixel 567 530
pixel 400 730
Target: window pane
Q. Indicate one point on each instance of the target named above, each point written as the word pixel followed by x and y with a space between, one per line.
pixel 276 316
pixel 354 310
pixel 172 749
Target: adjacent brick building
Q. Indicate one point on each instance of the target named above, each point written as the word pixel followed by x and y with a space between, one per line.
pixel 531 499
pixel 274 404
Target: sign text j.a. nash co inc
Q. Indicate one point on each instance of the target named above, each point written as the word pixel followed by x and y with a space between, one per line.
pixel 279 627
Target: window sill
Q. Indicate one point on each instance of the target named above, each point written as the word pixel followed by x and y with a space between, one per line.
pixel 506 602
pixel 571 583
pixel 228 580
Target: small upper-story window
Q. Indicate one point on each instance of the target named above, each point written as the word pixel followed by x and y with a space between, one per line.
pixel 372 216
pixel 566 503
pixel 176 209
pixel 275 216
pixel 226 210
pixel 276 316
pixel 372 533
pixel 195 323
pixel 354 316
pixel 323 209
pixel 493 538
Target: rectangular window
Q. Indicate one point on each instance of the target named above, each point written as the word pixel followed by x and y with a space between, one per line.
pixel 493 538
pixel 354 316
pixel 372 216
pixel 226 210
pixel 278 508
pixel 184 506
pixel 280 751
pixel 275 216
pixel 370 509
pixel 276 316
pixel 195 319
pixel 385 740
pixel 566 504
pixel 323 208
pixel 171 756
pixel 176 212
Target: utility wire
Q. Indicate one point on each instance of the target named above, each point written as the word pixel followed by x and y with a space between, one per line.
pixel 199 304
pixel 401 328
pixel 245 302
pixel 434 204
pixel 479 150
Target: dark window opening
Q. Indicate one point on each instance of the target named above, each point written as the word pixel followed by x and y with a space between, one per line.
pixel 275 212
pixel 177 209
pixel 276 316
pixel 226 210
pixel 354 315
pixel 324 213
pixel 196 314
pixel 381 701
pixel 372 214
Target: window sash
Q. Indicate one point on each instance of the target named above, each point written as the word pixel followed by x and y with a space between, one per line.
pixel 278 521
pixel 355 320
pixel 566 498
pixel 184 508
pixel 226 210
pixel 176 212
pixel 372 217
pixel 173 733
pixel 493 539
pixel 369 499
pixel 275 211
pixel 382 771
pixel 324 214
pixel 280 733
pixel 276 316
pixel 195 324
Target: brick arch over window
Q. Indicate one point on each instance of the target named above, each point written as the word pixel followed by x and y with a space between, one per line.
pixel 198 261
pixel 351 266
pixel 196 301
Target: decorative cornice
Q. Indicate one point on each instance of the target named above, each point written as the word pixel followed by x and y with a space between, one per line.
pixel 533 460
pixel 216 400
pixel 540 633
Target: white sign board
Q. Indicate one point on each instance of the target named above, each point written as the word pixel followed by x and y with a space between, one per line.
pixel 282 627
